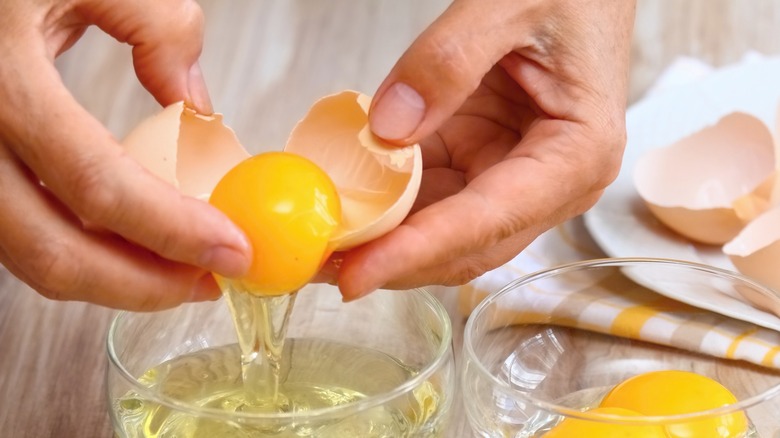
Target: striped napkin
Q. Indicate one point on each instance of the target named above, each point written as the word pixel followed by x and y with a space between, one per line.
pixel 616 305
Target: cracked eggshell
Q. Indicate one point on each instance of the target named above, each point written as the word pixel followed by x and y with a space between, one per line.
pixel 189 150
pixel 755 251
pixel 708 185
pixel 376 181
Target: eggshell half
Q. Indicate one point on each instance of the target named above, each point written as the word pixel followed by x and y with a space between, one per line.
pixel 187 149
pixel 755 251
pixel 377 181
pixel 709 184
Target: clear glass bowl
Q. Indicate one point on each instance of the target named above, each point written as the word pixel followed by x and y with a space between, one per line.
pixel 391 347
pixel 523 379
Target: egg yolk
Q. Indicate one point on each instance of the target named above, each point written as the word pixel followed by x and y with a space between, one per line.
pixel 288 207
pixel 673 392
pixel 581 428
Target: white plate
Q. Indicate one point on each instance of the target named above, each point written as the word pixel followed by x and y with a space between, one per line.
pixel 622 225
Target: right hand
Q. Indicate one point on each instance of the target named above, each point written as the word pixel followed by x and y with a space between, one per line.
pixel 519 107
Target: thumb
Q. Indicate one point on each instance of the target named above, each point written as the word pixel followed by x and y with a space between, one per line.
pixel 442 68
pixel 167 38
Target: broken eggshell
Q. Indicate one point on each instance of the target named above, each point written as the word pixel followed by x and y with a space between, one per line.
pixel 708 185
pixel 755 251
pixel 189 150
pixel 377 182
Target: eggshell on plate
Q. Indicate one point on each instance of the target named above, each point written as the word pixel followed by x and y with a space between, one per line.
pixel 708 185
pixel 189 150
pixel 755 251
pixel 377 181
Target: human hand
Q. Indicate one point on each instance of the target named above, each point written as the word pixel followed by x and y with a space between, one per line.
pixel 80 220
pixel 520 110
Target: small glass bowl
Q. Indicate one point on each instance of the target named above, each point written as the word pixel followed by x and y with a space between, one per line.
pixel 393 347
pixel 523 379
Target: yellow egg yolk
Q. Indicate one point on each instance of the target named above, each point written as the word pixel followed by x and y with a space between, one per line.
pixel 673 392
pixel 288 207
pixel 604 428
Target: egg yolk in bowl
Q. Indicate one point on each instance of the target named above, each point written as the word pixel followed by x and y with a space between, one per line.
pixel 659 393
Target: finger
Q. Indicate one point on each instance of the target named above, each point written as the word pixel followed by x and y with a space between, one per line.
pixel 441 69
pixel 167 39
pixel 55 256
pixel 134 297
pixel 460 270
pixel 78 160
pixel 509 205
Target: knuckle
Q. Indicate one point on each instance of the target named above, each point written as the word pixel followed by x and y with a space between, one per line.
pixel 189 17
pixel 506 226
pixel 180 32
pixel 613 141
pixel 96 197
pixel 444 50
pixel 504 223
pixel 466 269
pixel 173 245
pixel 52 263
pixel 450 58
pixel 596 161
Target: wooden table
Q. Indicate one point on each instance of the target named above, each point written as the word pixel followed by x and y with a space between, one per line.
pixel 266 62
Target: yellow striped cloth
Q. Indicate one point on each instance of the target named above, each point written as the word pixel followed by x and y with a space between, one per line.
pixel 616 305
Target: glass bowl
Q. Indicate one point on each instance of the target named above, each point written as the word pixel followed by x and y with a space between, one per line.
pixel 536 362
pixel 384 361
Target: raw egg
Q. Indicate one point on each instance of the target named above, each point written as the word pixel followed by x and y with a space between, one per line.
pixel 335 186
pixel 672 392
pixel 708 185
pixel 289 208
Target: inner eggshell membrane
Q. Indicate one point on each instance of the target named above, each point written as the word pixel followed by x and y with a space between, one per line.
pixel 377 181
pixel 189 150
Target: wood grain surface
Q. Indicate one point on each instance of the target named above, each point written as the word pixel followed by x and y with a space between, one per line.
pixel 265 63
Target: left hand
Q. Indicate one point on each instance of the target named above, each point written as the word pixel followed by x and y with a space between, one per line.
pixel 80 219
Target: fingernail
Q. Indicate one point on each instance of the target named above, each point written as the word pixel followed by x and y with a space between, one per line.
pixel 356 295
pixel 351 298
pixel 205 289
pixel 398 113
pixel 199 94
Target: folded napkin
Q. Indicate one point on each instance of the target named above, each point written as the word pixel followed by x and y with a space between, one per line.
pixel 616 305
